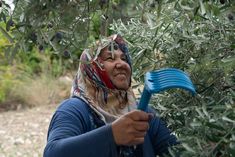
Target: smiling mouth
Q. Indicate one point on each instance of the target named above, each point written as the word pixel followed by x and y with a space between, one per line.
pixel 120 74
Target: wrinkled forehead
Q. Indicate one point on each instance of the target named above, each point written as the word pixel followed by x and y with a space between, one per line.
pixel 110 50
pixel 91 55
pixel 110 43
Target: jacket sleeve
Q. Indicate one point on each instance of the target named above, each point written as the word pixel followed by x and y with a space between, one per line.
pixel 69 134
pixel 161 137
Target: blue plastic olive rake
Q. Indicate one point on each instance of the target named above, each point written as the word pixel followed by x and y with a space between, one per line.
pixel 161 80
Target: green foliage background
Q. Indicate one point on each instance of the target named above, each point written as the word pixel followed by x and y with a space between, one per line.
pixel 197 36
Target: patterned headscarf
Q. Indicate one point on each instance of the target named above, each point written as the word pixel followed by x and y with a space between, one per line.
pixel 94 86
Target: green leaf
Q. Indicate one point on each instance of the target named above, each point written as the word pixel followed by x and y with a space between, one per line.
pixel 228 119
pixel 10 39
pixel 216 10
pixel 213 138
pixel 8 25
pixel 202 7
pixel 214 126
pixel 231 59
pixel 231 151
pixel 233 46
pixel 3 16
pixel 188 148
pixel 185 7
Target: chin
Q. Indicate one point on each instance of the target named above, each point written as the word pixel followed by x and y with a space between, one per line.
pixel 122 87
pixel 121 84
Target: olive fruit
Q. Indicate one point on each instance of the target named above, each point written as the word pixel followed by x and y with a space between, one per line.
pixel 222 1
pixel 10 23
pixel 152 5
pixel 230 17
pixel 50 25
pixel 40 47
pixel 57 37
pixel 102 3
pixel 33 37
pixel 66 54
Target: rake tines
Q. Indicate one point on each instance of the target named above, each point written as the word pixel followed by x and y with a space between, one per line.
pixel 161 80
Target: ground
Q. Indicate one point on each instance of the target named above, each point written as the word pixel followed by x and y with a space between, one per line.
pixel 23 132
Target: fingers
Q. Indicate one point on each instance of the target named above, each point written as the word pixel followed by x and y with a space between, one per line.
pixel 140 134
pixel 140 125
pixel 138 121
pixel 130 129
pixel 138 115
pixel 134 138
pixel 136 141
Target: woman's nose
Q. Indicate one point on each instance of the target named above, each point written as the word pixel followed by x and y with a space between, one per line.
pixel 120 63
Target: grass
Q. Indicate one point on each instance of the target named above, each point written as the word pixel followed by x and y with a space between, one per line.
pixel 42 91
pixel 37 91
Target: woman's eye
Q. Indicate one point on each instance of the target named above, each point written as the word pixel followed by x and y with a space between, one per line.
pixel 124 59
pixel 109 58
pixel 115 47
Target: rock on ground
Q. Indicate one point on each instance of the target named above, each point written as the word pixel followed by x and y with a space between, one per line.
pixel 23 132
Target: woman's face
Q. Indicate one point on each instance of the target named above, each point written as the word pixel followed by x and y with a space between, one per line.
pixel 117 68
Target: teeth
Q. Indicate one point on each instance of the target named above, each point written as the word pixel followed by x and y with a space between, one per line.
pixel 121 75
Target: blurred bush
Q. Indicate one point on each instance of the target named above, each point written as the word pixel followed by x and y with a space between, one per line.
pixel 32 78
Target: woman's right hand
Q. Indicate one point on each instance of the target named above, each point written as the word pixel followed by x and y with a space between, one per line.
pixel 131 128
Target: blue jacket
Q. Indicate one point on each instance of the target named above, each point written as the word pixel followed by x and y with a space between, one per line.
pixel 75 131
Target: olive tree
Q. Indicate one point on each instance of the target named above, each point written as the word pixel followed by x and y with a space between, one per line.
pixel 199 38
pixel 66 26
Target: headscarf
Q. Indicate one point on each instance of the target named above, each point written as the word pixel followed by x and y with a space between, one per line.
pixel 93 85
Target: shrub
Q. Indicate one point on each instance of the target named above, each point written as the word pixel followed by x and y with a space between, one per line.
pixel 41 90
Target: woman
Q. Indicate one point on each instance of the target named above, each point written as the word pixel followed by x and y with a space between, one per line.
pixel 101 119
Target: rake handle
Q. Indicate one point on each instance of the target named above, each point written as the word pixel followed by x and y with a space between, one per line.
pixel 144 100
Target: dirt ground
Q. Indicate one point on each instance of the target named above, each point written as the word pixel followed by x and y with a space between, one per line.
pixel 23 132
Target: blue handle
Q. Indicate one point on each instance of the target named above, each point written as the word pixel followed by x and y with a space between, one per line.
pixel 144 100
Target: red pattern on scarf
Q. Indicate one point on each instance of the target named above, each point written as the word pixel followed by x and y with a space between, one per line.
pixel 103 76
